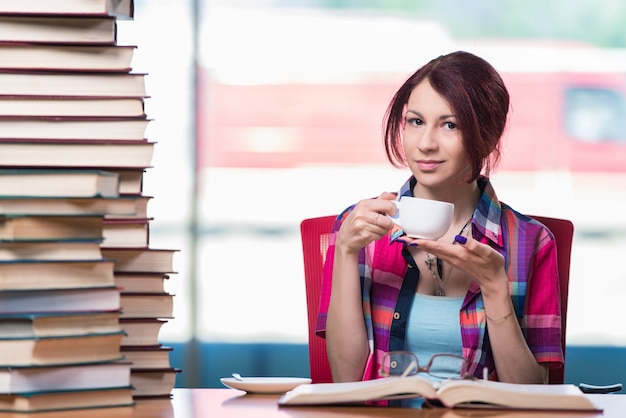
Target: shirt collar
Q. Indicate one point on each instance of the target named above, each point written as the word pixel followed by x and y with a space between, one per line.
pixel 488 212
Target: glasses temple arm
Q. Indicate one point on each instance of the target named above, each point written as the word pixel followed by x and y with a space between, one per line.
pixel 410 367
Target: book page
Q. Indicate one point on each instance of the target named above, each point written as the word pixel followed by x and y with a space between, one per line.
pixel 351 392
pixel 510 395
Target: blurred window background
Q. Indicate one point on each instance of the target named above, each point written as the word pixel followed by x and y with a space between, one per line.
pixel 269 112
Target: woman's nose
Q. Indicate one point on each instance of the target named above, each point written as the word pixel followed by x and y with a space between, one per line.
pixel 427 140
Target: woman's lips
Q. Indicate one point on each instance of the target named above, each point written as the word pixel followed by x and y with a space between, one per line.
pixel 428 165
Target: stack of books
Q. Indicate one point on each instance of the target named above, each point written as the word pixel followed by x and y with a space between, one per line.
pixel 141 273
pixel 73 154
pixel 67 93
pixel 60 331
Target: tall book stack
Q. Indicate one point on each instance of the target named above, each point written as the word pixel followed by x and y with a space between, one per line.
pixel 73 154
pixel 146 306
pixel 60 332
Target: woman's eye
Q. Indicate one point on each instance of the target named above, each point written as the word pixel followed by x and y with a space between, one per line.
pixel 450 125
pixel 414 121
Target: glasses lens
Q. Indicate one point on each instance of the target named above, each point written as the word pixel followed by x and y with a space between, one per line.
pixel 444 366
pixel 397 363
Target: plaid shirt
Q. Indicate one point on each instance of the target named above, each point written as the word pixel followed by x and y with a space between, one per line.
pixel 388 286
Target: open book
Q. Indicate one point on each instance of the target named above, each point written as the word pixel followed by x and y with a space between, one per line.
pixel 451 394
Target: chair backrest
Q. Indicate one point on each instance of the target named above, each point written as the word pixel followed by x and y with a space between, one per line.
pixel 563 231
pixel 315 232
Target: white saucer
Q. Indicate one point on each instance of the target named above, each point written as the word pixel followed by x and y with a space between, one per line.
pixel 264 384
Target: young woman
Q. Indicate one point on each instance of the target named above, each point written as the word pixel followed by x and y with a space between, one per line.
pixel 488 290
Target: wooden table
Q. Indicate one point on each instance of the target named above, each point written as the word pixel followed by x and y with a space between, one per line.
pixel 231 403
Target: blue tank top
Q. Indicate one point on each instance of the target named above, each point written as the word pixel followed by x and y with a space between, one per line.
pixel 433 328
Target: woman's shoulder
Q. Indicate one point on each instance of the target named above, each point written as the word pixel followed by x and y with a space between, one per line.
pixel 526 223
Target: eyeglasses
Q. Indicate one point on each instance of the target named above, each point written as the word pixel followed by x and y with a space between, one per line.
pixel 440 366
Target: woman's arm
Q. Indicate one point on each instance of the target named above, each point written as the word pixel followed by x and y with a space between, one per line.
pixel 513 358
pixel 514 361
pixel 346 335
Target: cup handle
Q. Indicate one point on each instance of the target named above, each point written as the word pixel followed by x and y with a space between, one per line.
pixel 396 217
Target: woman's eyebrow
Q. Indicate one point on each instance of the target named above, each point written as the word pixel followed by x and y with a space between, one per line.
pixel 442 117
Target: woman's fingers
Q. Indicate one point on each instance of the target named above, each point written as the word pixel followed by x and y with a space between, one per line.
pixel 460 249
pixel 368 221
pixel 466 253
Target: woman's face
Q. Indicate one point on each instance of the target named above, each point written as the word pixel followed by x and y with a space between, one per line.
pixel 432 142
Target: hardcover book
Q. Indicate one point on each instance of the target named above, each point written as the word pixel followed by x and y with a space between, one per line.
pixel 55 274
pixel 63 106
pixel 64 377
pixel 78 154
pixel 108 206
pixel 129 233
pixel 72 84
pixel 36 57
pixel 59 300
pixel 147 305
pixel 50 250
pixel 58 183
pixel 141 260
pixel 66 400
pixel 58 30
pixel 32 325
pixel 67 349
pixel 118 8
pixel 18 227
pixel 149 383
pixel 147 357
pixel 450 394
pixel 69 128
pixel 141 282
pixel 141 331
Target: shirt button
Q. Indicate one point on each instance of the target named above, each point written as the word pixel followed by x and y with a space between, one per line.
pixel 396 315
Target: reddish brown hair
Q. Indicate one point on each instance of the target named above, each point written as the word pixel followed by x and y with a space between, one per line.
pixel 478 97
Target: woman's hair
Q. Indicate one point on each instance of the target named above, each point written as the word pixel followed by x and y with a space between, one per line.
pixel 478 97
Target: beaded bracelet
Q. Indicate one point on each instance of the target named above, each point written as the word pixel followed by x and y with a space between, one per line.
pixel 498 320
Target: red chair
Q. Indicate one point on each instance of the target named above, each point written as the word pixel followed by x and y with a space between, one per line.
pixel 563 231
pixel 315 233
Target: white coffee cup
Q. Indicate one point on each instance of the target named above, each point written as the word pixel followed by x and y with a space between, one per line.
pixel 423 218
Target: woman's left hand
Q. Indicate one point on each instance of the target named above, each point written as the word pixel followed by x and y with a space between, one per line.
pixel 481 262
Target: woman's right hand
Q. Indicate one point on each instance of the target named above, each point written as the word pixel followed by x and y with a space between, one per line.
pixel 366 223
